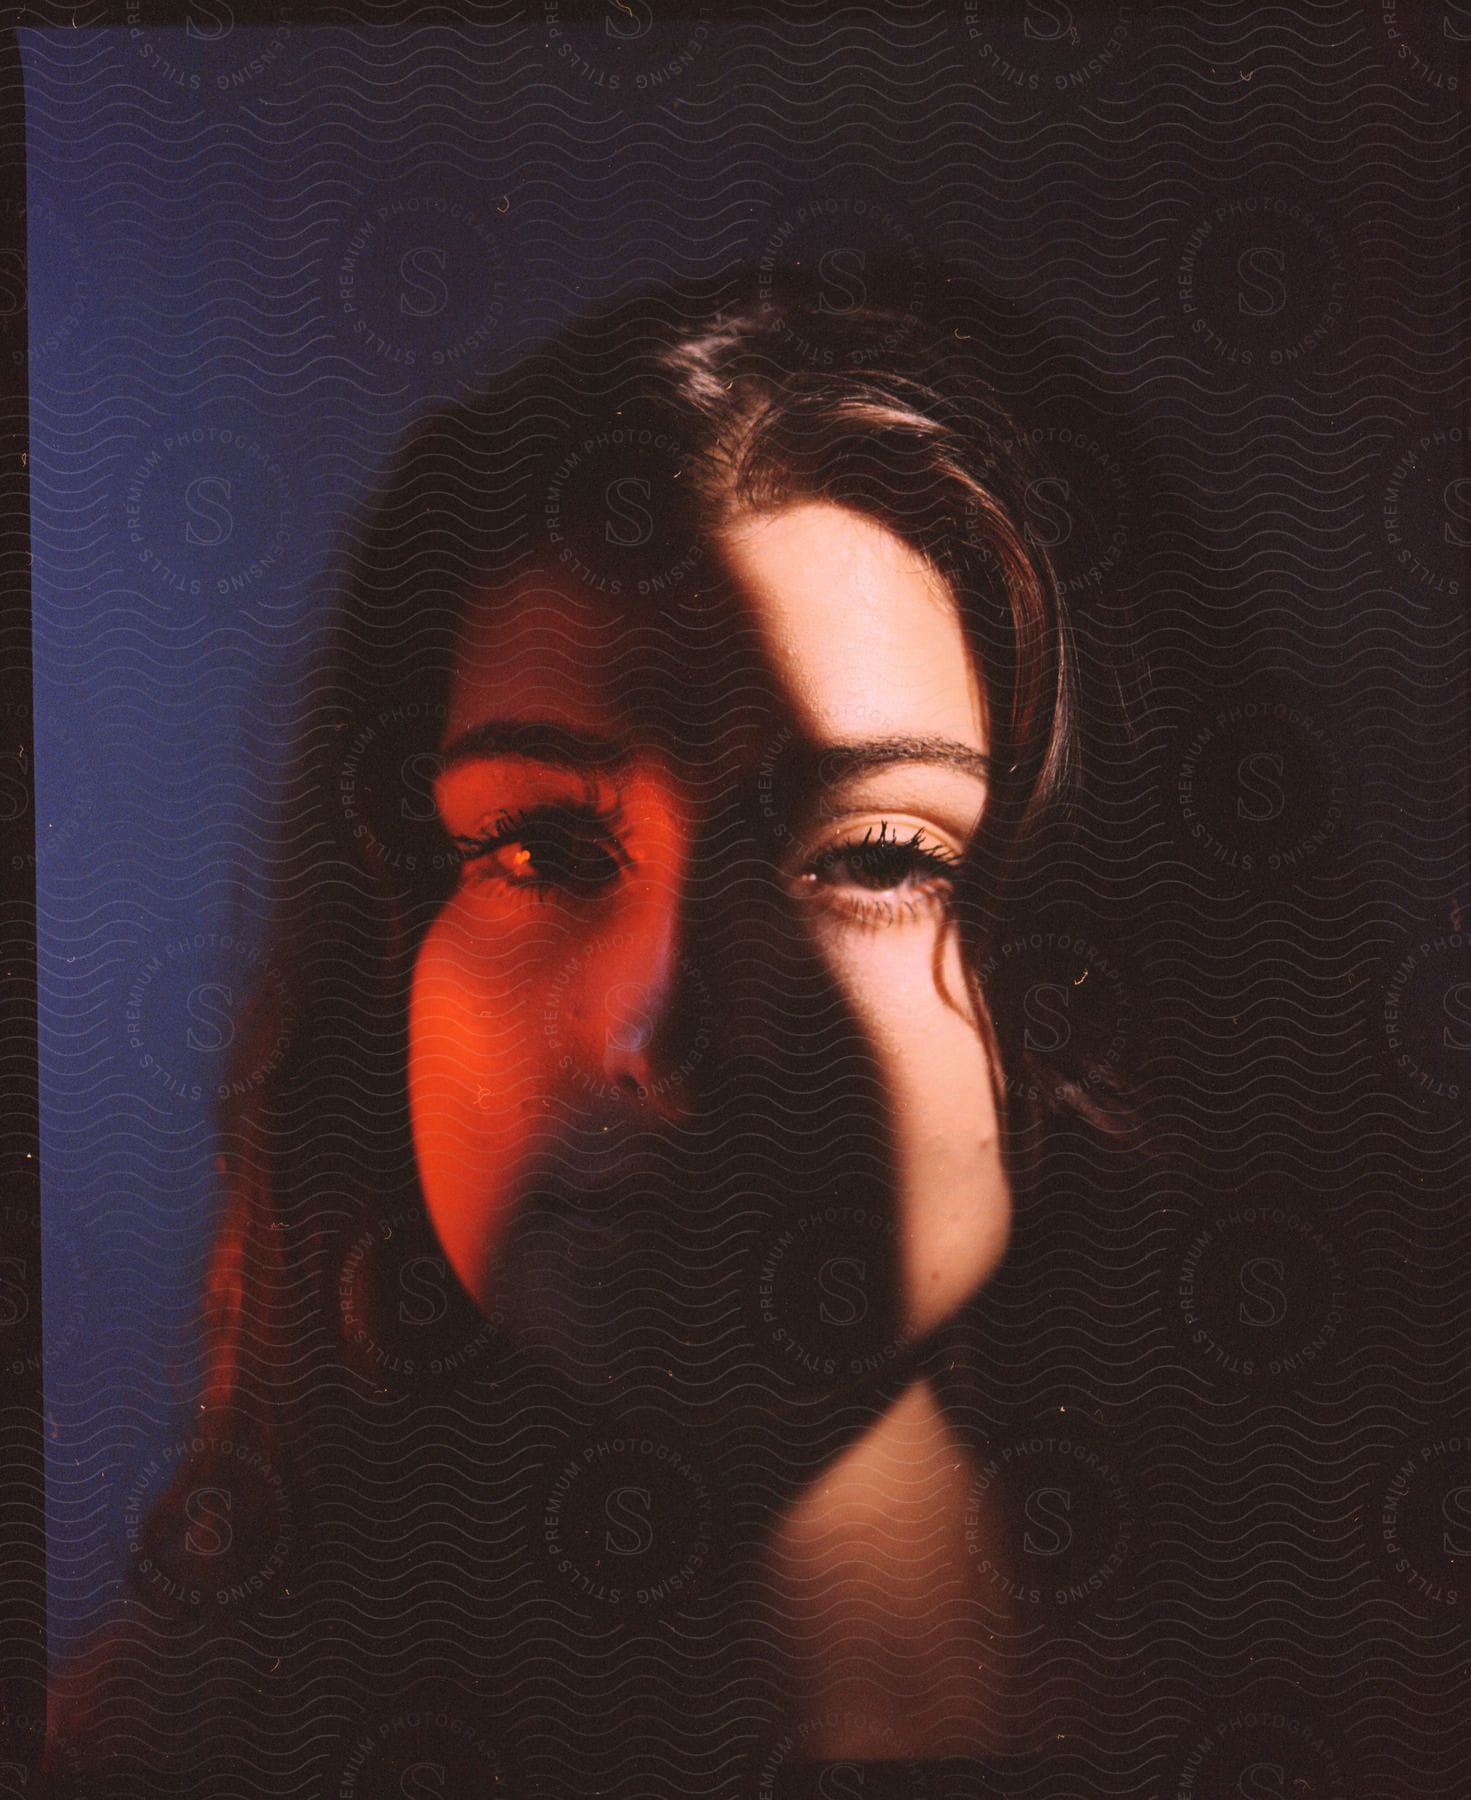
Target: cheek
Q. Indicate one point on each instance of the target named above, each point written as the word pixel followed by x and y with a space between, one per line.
pixel 479 1071
pixel 907 992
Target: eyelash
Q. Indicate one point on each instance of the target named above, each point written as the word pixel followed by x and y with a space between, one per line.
pixel 915 855
pixel 585 833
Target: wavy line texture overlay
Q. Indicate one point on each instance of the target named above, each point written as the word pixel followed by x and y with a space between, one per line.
pixel 256 254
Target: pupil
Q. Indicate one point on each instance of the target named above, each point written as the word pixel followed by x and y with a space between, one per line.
pixel 886 867
pixel 569 858
pixel 882 863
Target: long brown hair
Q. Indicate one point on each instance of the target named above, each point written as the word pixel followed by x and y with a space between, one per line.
pixel 716 398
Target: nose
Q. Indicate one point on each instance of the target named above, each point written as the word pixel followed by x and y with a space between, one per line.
pixel 663 987
pixel 651 1002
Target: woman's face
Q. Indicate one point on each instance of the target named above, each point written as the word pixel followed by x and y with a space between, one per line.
pixel 699 980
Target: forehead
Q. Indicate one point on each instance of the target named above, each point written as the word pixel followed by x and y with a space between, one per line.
pixel 824 622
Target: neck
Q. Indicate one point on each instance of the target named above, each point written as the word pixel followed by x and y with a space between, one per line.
pixel 874 1577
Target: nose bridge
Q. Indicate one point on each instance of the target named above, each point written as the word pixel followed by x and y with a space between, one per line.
pixel 652 981
pixel 643 971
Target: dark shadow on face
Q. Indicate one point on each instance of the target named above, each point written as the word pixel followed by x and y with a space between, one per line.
pixel 701 1111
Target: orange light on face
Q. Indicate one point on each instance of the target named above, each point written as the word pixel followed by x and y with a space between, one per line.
pixel 549 993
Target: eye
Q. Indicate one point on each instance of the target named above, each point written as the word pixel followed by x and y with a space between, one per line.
pixel 567 850
pixel 883 875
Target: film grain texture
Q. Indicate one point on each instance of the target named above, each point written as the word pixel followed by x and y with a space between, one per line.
pixel 748 823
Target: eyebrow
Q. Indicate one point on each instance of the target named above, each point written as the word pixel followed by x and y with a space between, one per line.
pixel 564 746
pixel 539 740
pixel 831 763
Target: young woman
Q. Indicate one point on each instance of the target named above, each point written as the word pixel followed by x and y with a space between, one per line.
pixel 640 1093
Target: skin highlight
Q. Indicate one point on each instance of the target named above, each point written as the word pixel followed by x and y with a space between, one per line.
pixel 863 642
pixel 870 1572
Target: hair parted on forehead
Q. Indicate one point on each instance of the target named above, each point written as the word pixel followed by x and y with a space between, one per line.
pixel 709 401
pixel 897 422
pixel 723 398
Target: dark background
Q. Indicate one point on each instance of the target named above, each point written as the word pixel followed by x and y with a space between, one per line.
pixel 1246 220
